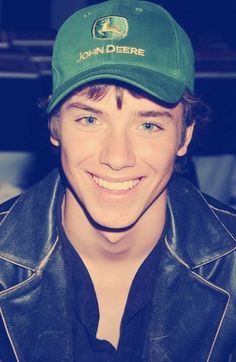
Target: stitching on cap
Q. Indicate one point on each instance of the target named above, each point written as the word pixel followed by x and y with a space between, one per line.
pixel 176 74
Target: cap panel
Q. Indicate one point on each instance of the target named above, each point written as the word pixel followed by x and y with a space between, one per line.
pixel 185 56
pixel 135 35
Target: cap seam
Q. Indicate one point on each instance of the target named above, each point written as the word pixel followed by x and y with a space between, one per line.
pixel 57 75
pixel 177 43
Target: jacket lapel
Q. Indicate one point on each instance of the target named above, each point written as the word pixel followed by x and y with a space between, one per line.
pixel 188 309
pixel 33 303
pixel 186 314
pixel 36 315
pixel 31 220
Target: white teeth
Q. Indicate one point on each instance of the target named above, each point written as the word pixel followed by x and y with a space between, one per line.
pixel 115 186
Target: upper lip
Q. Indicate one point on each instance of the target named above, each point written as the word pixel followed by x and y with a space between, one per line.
pixel 117 179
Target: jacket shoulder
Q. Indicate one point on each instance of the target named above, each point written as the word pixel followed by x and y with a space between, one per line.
pixel 6 206
pixel 219 206
pixel 198 203
pixel 226 214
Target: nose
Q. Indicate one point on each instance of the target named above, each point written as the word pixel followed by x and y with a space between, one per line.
pixel 117 151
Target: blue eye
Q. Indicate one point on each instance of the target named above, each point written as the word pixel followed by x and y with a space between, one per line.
pixel 150 126
pixel 87 121
pixel 90 120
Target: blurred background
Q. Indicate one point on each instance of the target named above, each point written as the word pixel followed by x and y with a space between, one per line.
pixel 27 32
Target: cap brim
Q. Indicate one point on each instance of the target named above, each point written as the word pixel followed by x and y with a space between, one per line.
pixel 158 85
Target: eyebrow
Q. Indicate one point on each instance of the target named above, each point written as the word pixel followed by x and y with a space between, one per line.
pixel 84 107
pixel 154 114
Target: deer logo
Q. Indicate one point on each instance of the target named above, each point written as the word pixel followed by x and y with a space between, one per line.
pixel 110 27
pixel 106 26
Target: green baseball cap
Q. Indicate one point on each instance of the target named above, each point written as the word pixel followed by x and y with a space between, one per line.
pixel 133 41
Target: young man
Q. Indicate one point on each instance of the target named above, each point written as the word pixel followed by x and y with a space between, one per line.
pixel 113 257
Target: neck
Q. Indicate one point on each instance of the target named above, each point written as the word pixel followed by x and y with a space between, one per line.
pixel 98 245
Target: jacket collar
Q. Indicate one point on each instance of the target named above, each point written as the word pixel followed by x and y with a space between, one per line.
pixel 195 235
pixel 32 216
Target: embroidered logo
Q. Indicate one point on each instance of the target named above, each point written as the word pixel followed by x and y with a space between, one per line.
pixel 110 27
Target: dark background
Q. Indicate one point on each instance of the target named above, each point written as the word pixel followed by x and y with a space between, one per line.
pixel 24 80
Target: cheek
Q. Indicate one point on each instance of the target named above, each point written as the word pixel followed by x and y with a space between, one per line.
pixel 159 153
pixel 76 149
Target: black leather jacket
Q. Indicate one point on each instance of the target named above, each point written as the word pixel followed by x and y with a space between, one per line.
pixel 193 315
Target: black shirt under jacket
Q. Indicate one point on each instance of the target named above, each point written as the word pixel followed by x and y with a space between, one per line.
pixel 85 311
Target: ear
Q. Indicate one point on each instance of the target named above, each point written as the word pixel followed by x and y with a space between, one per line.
pixel 54 141
pixel 54 128
pixel 188 136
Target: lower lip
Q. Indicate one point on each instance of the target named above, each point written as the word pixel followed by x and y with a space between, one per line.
pixel 116 193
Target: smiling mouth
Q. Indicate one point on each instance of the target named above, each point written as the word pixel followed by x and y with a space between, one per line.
pixel 117 185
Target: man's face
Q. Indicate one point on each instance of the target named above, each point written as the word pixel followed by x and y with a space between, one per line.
pixel 118 160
